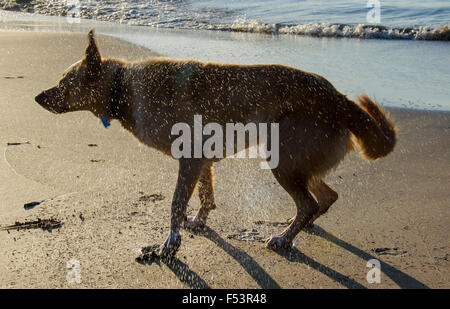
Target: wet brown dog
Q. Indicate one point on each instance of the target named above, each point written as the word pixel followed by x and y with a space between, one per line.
pixel 318 125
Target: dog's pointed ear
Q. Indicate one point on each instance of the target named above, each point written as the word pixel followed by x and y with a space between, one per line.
pixel 93 58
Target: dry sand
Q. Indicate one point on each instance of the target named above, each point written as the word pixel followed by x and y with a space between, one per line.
pixel 395 210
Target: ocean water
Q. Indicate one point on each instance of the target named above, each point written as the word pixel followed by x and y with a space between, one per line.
pixel 398 19
pixel 408 72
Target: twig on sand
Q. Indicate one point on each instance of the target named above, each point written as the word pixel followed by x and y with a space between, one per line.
pixel 45 224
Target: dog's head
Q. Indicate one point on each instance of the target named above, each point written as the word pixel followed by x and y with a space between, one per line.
pixel 81 87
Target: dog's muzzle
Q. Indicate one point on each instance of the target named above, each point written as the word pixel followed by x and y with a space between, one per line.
pixel 51 99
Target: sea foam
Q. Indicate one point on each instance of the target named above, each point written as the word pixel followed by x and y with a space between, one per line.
pixel 180 14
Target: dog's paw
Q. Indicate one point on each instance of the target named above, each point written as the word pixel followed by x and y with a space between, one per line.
pixel 170 246
pixel 278 242
pixel 194 224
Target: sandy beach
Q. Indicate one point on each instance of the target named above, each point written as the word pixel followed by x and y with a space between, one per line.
pixel 112 196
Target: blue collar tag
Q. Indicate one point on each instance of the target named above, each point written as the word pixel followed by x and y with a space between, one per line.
pixel 105 122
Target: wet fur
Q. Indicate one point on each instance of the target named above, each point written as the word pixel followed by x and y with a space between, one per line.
pixel 318 125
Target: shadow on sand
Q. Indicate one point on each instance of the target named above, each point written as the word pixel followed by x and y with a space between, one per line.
pixel 262 277
pixel 265 281
pixel 181 270
pixel 403 280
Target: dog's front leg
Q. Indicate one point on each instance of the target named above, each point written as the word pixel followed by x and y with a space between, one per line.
pixel 188 174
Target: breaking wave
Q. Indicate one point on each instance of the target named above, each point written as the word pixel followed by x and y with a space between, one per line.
pixel 343 31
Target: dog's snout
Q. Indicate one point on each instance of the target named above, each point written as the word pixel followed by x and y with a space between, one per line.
pixel 51 99
pixel 40 98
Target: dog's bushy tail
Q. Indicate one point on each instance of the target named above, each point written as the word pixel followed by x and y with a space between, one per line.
pixel 373 128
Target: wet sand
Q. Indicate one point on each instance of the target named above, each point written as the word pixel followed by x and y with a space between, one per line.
pixel 112 196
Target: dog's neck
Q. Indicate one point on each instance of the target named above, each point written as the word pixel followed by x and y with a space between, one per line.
pixel 117 93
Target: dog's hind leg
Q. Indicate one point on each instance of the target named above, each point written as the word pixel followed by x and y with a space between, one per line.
pixel 325 197
pixel 188 175
pixel 306 208
pixel 295 184
pixel 206 194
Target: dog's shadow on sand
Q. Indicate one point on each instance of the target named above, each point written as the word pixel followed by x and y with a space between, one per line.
pixel 403 280
pixel 294 255
pixel 181 270
pixel 187 276
pixel 193 280
pixel 262 277
pixel 265 281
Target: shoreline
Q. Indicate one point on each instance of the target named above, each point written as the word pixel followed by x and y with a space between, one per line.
pixel 114 198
